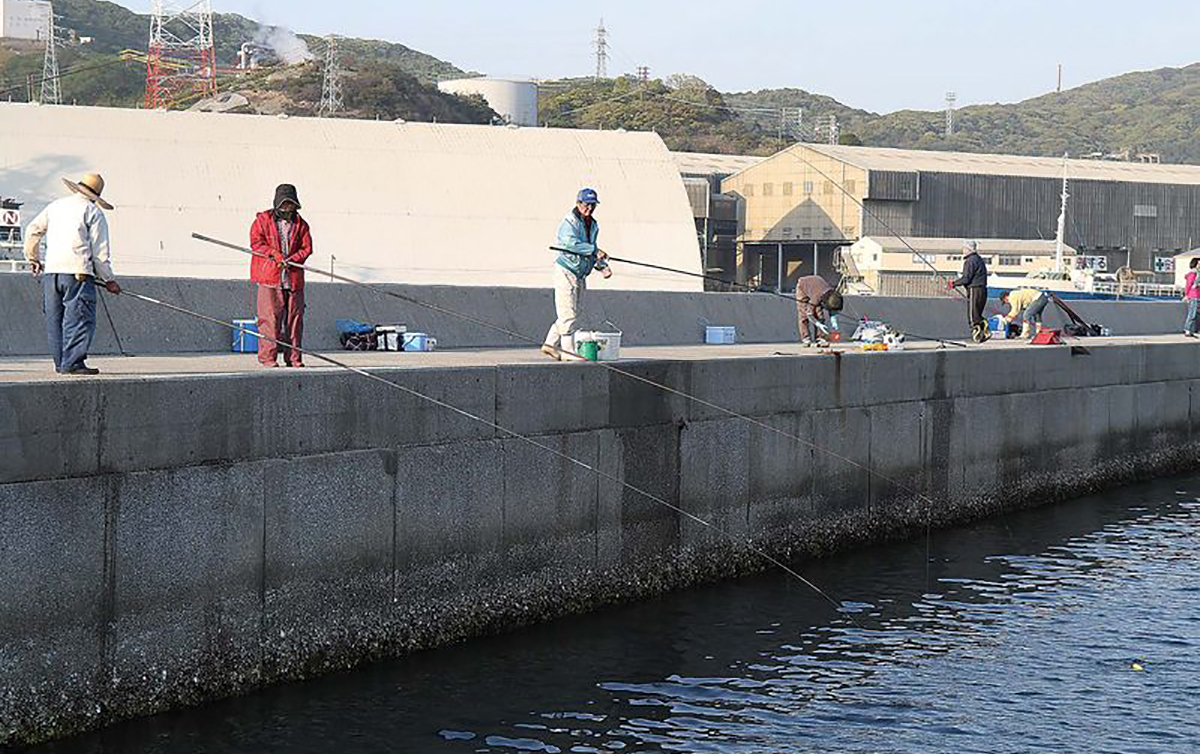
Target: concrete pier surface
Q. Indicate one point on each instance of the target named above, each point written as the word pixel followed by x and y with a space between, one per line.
pixel 185 527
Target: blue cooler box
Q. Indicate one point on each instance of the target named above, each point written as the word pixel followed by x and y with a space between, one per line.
pixel 245 342
pixel 997 326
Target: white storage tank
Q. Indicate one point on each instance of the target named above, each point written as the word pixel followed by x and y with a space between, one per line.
pixel 515 101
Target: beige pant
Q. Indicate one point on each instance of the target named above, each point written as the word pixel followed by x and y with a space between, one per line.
pixel 568 300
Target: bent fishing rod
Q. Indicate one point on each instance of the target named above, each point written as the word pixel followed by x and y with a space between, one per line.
pixel 504 431
pixel 750 288
pixel 602 364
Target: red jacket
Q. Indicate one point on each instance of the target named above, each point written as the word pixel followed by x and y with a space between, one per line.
pixel 264 239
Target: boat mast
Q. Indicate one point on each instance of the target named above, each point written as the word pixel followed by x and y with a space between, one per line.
pixel 1062 222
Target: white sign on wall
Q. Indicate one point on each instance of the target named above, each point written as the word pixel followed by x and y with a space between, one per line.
pixel 10 218
pixel 1164 264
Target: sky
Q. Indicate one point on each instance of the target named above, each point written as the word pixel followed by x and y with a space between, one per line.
pixel 878 56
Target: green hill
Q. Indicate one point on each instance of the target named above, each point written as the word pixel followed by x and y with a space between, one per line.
pixel 382 79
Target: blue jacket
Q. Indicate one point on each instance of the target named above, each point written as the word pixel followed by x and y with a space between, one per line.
pixel 573 235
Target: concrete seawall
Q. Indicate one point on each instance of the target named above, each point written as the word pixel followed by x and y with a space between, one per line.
pixel 177 539
pixel 647 318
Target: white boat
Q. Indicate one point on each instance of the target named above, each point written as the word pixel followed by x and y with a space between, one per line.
pixel 1075 283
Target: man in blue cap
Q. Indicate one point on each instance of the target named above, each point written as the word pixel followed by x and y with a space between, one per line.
pixel 578 255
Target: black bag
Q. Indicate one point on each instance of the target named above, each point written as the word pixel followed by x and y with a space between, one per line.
pixel 355 341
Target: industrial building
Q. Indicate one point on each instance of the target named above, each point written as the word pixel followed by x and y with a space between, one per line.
pixel 24 19
pixel 805 203
pixel 515 101
pixel 388 201
pixel 717 216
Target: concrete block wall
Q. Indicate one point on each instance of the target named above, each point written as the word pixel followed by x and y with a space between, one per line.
pixel 170 541
pixel 646 318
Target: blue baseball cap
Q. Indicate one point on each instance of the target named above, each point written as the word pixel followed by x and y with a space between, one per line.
pixel 587 196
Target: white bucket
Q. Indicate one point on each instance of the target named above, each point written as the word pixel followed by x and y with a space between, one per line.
pixel 608 344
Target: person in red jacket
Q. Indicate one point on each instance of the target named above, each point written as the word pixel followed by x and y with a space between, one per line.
pixel 278 236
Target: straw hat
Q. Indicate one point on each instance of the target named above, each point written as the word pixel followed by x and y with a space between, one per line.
pixel 91 185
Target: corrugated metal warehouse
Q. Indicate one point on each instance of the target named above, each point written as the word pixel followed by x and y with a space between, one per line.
pixel 803 201
pixel 404 202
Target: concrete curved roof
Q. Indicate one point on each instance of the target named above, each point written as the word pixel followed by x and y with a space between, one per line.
pixel 402 202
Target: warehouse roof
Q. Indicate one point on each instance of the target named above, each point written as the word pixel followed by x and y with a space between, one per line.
pixel 1030 247
pixel 884 158
pixel 393 201
pixel 702 163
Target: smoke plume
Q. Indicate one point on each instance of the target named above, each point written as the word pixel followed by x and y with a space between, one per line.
pixel 288 47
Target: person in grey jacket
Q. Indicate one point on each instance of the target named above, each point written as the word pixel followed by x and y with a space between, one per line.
pixel 578 255
pixel 974 279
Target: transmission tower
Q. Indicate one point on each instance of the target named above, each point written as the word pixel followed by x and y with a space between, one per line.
pixel 601 51
pixel 951 98
pixel 51 89
pixel 180 58
pixel 835 131
pixel 643 74
pixel 331 82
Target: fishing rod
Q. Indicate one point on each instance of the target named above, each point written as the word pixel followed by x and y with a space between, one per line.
pixel 752 289
pixel 501 429
pixel 603 364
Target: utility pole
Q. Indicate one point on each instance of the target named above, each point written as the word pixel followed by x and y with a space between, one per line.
pixel 1058 89
pixel 331 82
pixel 951 99
pixel 601 51
pixel 51 89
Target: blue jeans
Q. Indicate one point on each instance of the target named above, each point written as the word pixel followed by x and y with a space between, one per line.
pixel 70 307
pixel 1193 308
pixel 1033 315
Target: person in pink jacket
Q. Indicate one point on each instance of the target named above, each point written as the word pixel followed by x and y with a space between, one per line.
pixel 1191 296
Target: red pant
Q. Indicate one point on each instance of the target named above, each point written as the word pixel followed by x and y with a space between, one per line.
pixel 280 316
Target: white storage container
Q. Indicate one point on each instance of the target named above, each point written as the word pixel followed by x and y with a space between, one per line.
pixel 716 335
pixel 608 344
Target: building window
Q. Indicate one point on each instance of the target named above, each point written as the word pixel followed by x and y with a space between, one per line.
pixel 768 189
pixel 1010 260
pixel 787 189
pixel 924 258
pixel 787 231
pixel 851 185
pixel 806 231
pixel 808 187
pixel 827 231
pixel 749 189
pixel 1145 210
pixel 1029 260
pixel 828 187
pixel 848 231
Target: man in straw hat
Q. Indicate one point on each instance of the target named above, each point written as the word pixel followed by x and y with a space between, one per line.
pixel 77 255
pixel 279 236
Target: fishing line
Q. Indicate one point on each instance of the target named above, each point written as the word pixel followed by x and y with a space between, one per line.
pixel 606 365
pixel 503 430
pixel 111 324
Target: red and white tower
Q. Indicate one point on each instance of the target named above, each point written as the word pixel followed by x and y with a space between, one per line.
pixel 180 59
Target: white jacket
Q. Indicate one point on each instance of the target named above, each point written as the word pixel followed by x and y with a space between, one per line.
pixel 76 234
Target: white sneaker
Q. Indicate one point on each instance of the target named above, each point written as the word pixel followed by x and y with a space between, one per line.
pixel 1189 334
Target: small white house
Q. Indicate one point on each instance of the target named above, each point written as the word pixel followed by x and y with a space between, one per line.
pixel 892 267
